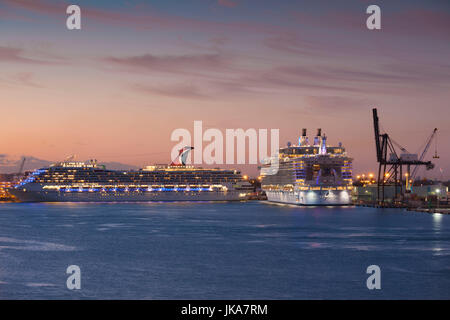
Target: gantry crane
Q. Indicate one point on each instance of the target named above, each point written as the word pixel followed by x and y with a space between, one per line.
pixel 391 169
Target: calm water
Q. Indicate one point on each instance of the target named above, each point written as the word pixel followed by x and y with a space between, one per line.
pixel 221 250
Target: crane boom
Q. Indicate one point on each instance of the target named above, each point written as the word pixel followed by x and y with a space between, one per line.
pixel 21 166
pixel 425 150
pixel 398 145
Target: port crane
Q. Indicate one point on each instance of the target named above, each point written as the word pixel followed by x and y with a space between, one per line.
pixel 19 173
pixel 390 169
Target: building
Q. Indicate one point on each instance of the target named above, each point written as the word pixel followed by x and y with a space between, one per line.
pixel 369 193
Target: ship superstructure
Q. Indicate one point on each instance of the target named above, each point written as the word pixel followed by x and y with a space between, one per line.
pixel 80 181
pixel 309 173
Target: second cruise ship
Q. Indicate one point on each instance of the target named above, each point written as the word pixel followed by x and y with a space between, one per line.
pixel 309 174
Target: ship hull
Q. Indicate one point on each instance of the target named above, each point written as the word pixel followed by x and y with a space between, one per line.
pixel 310 198
pixel 55 196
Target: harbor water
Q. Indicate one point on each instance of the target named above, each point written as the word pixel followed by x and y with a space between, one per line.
pixel 251 250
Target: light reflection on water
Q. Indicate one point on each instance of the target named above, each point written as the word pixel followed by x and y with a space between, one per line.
pixel 221 250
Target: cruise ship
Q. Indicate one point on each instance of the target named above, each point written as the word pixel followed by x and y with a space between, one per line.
pixel 309 174
pixel 72 181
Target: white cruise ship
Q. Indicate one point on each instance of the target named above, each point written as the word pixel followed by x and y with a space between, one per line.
pixel 309 174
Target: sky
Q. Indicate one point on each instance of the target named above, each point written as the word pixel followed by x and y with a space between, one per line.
pixel 137 70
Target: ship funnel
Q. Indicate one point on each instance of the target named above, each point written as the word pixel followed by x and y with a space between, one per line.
pixel 317 139
pixel 182 156
pixel 323 145
pixel 303 140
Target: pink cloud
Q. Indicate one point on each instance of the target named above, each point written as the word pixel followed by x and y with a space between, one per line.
pixel 219 76
pixel 22 79
pixel 10 54
pixel 25 78
pixel 182 91
pixel 38 6
pixel 19 55
pixel 421 22
pixel 334 104
pixel 183 64
pixel 413 22
pixel 227 3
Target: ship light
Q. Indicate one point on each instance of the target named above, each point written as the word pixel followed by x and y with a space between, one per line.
pixel 344 196
pixel 311 195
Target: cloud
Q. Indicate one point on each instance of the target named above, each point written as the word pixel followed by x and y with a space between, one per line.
pixel 412 22
pixel 227 3
pixel 218 41
pixel 411 34
pixel 25 79
pixel 174 91
pixel 191 64
pixel 19 55
pixel 140 17
pixel 4 159
pixel 296 45
pixel 39 6
pixel 393 78
pixel 10 54
pixel 216 76
pixel 419 23
pixel 333 104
